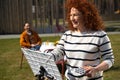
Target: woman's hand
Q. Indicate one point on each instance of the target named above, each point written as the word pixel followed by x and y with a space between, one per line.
pixel 90 71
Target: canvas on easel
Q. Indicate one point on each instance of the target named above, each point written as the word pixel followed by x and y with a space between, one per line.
pixel 38 60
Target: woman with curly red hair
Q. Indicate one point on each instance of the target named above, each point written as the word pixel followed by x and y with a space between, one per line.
pixel 91 18
pixel 86 45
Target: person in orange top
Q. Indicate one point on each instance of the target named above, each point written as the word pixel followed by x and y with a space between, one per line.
pixel 29 38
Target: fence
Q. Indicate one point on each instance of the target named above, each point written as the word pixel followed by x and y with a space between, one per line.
pixel 46 16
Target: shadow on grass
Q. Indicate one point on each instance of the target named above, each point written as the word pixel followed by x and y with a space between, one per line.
pixel 114 68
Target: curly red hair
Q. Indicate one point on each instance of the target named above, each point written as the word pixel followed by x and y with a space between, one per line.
pixel 91 18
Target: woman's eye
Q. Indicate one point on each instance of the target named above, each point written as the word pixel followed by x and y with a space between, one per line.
pixel 70 14
pixel 76 14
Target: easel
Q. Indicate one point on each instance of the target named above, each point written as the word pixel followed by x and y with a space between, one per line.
pixel 42 65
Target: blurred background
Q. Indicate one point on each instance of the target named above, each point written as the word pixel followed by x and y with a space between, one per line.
pixel 48 16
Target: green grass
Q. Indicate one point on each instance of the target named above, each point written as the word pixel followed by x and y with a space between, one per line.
pixel 113 73
pixel 10 56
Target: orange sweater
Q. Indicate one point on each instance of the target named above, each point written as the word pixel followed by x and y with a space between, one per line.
pixel 26 40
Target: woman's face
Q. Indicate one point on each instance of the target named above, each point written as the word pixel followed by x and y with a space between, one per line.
pixel 27 27
pixel 75 18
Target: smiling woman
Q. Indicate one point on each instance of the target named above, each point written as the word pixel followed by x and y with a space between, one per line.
pixel 85 44
pixel 87 12
pixel 76 19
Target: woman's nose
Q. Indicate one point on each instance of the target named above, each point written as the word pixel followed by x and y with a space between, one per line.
pixel 72 17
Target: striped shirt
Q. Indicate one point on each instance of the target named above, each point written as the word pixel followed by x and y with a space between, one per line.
pixel 87 48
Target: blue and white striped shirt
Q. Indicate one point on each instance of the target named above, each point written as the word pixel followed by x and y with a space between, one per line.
pixel 87 48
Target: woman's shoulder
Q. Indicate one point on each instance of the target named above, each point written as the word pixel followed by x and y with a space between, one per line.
pixel 94 33
pixel 34 32
pixel 99 33
pixel 68 32
pixel 23 33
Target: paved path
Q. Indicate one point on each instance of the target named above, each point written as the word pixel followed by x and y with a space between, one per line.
pixel 18 35
pixel 42 35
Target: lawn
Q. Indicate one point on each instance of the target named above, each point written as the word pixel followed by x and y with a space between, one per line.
pixel 10 56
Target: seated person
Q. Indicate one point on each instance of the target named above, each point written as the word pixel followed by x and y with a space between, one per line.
pixel 29 38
